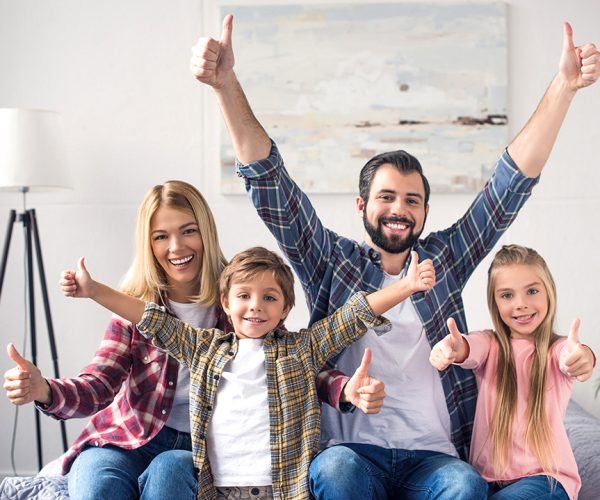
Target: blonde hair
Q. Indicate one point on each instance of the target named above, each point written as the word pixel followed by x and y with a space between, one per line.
pixel 537 434
pixel 247 264
pixel 145 278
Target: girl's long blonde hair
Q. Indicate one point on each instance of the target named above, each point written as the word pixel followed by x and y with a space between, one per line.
pixel 537 434
pixel 145 278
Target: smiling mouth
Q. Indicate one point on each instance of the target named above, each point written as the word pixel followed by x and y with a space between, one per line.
pixel 182 261
pixel 255 320
pixel 397 224
pixel 523 319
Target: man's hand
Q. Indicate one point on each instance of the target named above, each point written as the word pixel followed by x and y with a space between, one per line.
pixel 451 349
pixel 579 66
pixel 77 283
pixel 24 383
pixel 212 60
pixel 576 360
pixel 362 390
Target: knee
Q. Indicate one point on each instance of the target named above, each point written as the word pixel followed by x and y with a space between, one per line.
pixel 335 464
pixel 169 469
pixel 461 481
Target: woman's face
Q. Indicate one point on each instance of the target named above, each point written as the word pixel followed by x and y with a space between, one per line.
pixel 177 246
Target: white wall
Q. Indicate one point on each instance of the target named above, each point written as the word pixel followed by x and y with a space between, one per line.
pixel 134 117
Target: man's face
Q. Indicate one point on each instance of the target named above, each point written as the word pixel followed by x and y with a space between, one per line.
pixel 395 212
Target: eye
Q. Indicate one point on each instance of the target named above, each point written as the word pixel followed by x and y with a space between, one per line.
pixel 190 230
pixel 243 296
pixel 270 298
pixel 159 237
pixel 506 295
pixel 412 201
pixel 386 197
pixel 532 291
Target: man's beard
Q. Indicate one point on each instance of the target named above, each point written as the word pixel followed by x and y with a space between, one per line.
pixel 394 243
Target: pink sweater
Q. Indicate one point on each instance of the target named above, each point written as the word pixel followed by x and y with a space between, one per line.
pixel 483 358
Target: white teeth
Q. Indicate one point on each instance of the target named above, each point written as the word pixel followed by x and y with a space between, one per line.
pixel 255 320
pixel 395 225
pixel 179 262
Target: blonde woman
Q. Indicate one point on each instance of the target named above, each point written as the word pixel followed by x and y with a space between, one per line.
pixel 137 443
pixel 524 375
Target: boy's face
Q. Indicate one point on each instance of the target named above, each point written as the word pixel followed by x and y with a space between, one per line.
pixel 255 307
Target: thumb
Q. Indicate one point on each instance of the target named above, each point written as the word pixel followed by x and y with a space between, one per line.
pixel 456 336
pixel 573 337
pixel 414 261
pixel 363 369
pixel 567 36
pixel 81 265
pixel 19 360
pixel 227 31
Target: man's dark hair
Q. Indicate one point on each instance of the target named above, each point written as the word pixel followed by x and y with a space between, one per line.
pixel 401 160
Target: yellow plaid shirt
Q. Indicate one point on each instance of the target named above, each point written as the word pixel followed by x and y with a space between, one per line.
pixel 292 361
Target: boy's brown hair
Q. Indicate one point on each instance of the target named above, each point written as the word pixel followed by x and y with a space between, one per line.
pixel 247 264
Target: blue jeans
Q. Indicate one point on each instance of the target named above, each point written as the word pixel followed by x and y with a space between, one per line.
pixel 529 488
pixel 162 468
pixel 362 471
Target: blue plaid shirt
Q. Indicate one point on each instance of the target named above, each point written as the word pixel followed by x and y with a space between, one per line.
pixel 332 268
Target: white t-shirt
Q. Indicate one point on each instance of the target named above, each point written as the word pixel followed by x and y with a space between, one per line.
pixel 414 415
pixel 198 316
pixel 238 436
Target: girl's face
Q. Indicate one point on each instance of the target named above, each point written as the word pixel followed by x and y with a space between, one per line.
pixel 177 246
pixel 521 298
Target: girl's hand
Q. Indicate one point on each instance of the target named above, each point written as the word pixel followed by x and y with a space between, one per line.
pixel 77 283
pixel 576 359
pixel 363 391
pixel 420 275
pixel 24 383
pixel 453 348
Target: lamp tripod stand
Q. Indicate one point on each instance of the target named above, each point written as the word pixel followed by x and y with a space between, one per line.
pixel 32 243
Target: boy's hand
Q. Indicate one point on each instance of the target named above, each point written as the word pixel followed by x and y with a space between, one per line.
pixel 420 275
pixel 77 283
pixel 451 349
pixel 576 360
pixel 24 383
pixel 363 391
pixel 212 60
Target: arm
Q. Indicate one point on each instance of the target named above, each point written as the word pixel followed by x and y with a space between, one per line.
pixel 212 64
pixel 579 67
pixel 80 284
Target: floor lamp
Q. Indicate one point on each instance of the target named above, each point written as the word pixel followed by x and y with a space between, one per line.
pixel 32 159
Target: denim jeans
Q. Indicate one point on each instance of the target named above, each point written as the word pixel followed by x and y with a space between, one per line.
pixel 362 471
pixel 162 468
pixel 532 487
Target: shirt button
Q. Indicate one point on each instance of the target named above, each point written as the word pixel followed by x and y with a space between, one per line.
pixel 164 411
pixel 96 443
pixel 145 358
pixel 170 382
pixel 216 377
pixel 230 353
pixel 254 491
pixel 209 408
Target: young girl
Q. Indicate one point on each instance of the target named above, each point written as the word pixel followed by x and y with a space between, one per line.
pixel 254 407
pixel 137 442
pixel 519 442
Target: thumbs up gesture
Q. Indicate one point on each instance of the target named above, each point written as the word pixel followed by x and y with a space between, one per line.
pixel 580 66
pixel 421 275
pixel 363 391
pixel 77 283
pixel 212 60
pixel 576 360
pixel 453 348
pixel 24 383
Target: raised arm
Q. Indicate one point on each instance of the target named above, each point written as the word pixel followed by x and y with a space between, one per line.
pixel 212 64
pixel 81 285
pixel 579 67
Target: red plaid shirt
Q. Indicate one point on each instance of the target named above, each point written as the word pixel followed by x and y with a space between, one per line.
pixel 128 389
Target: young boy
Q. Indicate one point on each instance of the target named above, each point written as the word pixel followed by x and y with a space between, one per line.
pixel 253 405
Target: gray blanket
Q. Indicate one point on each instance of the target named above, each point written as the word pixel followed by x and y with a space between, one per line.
pixel 583 430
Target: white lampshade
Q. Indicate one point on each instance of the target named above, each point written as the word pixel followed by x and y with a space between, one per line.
pixel 32 151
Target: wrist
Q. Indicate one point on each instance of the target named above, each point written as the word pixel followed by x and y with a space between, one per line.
pixel 593 354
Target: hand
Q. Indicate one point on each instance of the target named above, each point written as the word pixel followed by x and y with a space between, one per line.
pixel 421 276
pixel 77 283
pixel 576 360
pixel 212 60
pixel 579 66
pixel 24 383
pixel 451 349
pixel 362 390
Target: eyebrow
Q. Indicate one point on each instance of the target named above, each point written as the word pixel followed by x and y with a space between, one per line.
pixel 180 227
pixel 526 286
pixel 391 191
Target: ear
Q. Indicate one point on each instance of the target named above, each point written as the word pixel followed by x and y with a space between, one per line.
pixel 225 304
pixel 360 204
pixel 426 210
pixel 285 313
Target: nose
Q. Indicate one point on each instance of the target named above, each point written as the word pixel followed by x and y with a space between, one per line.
pixel 255 305
pixel 174 243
